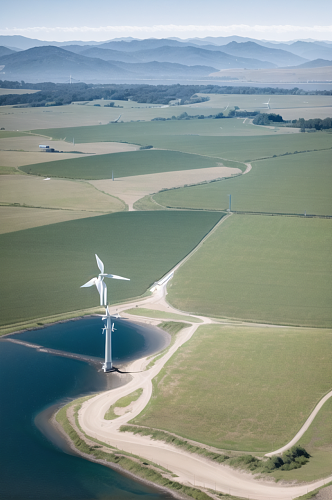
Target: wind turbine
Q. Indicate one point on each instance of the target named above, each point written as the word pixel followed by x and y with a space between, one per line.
pixel 99 282
pixel 267 103
pixel 108 329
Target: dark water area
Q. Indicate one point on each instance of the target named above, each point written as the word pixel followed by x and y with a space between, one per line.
pixel 129 341
pixel 33 466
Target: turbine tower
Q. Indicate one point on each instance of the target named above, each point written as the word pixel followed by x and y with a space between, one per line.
pixel 267 103
pixel 108 329
pixel 99 282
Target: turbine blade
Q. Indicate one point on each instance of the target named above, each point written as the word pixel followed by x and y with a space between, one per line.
pixel 115 277
pixel 90 283
pixel 100 264
pixel 99 285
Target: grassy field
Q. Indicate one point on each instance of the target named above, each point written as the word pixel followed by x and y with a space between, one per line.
pixel 254 387
pixel 287 184
pixel 56 193
pixel 122 164
pixel 17 218
pixel 265 269
pixel 201 137
pixel 52 262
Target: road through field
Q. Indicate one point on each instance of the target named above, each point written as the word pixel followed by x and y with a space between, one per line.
pixel 191 469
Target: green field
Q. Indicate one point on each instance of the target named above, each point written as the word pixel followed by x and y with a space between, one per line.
pixel 253 387
pixel 287 184
pixel 264 269
pixel 43 268
pixel 199 136
pixel 121 164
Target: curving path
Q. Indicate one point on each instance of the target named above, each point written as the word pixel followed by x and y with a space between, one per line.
pixel 191 469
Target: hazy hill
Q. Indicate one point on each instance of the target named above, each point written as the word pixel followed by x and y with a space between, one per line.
pixel 4 51
pixel 197 55
pixel 256 51
pixel 134 45
pixel 310 50
pixel 110 54
pixel 55 64
pixel 317 63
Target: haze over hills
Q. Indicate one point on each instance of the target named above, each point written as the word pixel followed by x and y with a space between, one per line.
pixel 154 59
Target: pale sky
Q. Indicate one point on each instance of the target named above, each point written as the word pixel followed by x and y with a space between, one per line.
pixel 99 20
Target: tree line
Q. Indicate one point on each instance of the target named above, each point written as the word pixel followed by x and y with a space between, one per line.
pixel 49 93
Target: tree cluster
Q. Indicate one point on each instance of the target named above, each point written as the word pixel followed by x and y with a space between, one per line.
pixel 267 119
pixel 313 123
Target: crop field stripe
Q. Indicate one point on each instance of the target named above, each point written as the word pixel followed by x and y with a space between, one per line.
pixel 142 246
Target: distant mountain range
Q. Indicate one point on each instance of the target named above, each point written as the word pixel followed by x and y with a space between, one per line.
pixel 154 59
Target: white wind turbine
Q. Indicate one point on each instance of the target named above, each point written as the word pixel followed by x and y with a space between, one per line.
pixel 99 282
pixel 267 103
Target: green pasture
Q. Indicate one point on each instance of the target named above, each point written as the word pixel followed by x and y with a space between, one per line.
pixel 287 184
pixel 4 134
pixel 43 268
pixel 254 386
pixel 121 164
pixel 275 270
pixel 203 137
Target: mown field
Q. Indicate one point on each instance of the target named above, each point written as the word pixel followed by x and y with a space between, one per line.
pixel 262 269
pixel 43 268
pixel 287 184
pixel 121 164
pixel 241 388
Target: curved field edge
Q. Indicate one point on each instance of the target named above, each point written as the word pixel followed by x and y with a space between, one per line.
pixel 272 270
pixel 258 399
pixel 138 467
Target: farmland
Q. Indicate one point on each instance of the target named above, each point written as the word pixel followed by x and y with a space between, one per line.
pixel 240 409
pixel 48 275
pixel 255 384
pixel 265 189
pixel 262 269
pixel 121 164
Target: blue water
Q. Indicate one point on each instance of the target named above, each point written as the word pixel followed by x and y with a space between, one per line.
pixel 129 341
pixel 31 466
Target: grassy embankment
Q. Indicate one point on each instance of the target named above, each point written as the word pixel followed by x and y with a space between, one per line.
pixel 52 262
pixel 122 403
pixel 261 269
pixel 288 184
pixel 233 406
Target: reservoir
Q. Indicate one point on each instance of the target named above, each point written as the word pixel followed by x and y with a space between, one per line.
pixel 32 466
